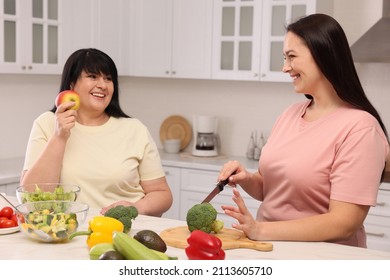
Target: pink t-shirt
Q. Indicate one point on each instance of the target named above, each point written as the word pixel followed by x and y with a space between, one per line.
pixel 305 164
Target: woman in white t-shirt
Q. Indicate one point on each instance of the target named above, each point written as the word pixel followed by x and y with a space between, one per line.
pixel 111 156
pixel 321 167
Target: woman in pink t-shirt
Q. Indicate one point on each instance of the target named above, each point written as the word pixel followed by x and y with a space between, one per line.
pixel 320 170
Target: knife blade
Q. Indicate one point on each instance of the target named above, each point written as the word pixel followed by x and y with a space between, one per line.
pixel 218 188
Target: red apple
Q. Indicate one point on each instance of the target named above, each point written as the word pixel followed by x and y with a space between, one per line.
pixel 68 95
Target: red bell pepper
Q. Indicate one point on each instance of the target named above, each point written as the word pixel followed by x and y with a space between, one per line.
pixel 204 246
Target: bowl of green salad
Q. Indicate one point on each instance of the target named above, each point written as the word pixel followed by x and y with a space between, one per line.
pixel 47 191
pixel 51 221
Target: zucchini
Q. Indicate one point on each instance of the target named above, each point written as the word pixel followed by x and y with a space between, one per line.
pixel 97 250
pixel 132 249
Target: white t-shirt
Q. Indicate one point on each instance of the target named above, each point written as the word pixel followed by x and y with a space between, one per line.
pixel 107 161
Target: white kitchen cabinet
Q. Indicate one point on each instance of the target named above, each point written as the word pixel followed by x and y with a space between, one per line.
pixel 276 14
pixel 9 189
pixel 377 222
pixel 236 39
pixel 172 38
pixel 173 176
pixel 31 36
pixel 248 37
pixel 101 24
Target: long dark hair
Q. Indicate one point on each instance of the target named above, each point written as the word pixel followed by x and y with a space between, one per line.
pixel 329 47
pixel 96 62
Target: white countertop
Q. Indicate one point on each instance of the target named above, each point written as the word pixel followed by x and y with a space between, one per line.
pixel 17 246
pixel 186 160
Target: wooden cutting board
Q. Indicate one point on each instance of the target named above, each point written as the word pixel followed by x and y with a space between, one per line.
pixel 231 239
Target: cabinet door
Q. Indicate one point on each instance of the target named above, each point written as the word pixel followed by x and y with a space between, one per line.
pixel 101 24
pixel 111 31
pixel 31 32
pixel 276 14
pixel 152 41
pixel 172 38
pixel 236 45
pixel 173 177
pixel 192 39
pixel 78 22
pixel 378 232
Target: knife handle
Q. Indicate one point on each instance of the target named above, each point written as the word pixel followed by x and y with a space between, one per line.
pixel 223 183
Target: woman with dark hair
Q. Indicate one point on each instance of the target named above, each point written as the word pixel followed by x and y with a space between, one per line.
pixel 111 156
pixel 321 167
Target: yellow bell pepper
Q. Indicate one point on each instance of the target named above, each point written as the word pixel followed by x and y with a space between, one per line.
pixel 100 230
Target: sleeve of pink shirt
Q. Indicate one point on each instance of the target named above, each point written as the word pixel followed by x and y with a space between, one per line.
pixel 361 153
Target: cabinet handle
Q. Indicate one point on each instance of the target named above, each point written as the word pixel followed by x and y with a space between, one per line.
pixel 167 72
pixel 166 173
pixel 173 72
pixel 375 234
pixel 23 67
pixel 29 67
pixel 381 204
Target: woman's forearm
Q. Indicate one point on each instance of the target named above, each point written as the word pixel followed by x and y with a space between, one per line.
pixel 253 185
pixel 47 168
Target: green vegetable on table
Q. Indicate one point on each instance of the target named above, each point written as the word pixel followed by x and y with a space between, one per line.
pixel 203 217
pixel 131 249
pixel 125 214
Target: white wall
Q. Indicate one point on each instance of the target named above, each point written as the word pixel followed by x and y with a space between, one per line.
pixel 240 106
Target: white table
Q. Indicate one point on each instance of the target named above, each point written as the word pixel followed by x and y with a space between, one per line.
pixel 17 246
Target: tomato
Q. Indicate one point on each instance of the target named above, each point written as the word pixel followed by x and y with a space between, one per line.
pixel 15 219
pixel 6 212
pixel 3 220
pixel 7 224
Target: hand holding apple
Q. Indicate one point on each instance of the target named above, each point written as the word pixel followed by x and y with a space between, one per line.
pixel 68 95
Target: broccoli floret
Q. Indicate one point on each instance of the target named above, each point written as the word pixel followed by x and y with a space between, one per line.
pixel 125 214
pixel 127 222
pixel 203 217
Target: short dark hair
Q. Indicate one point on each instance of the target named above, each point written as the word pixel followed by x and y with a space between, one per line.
pixel 329 47
pixel 93 61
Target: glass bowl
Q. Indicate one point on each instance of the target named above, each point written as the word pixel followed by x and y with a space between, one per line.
pixel 51 221
pixel 47 191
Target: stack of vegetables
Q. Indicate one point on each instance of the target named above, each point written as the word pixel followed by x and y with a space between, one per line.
pixel 202 244
pixel 108 238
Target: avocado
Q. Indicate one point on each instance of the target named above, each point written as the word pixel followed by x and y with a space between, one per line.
pixel 151 240
pixel 111 255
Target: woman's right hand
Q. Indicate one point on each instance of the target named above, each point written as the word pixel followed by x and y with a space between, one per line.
pixel 233 171
pixel 65 119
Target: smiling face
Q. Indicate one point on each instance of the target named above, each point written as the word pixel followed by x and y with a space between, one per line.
pixel 300 65
pixel 95 91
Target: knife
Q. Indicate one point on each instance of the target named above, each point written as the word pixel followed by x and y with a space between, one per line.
pixel 218 188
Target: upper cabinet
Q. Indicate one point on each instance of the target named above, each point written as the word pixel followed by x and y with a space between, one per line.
pixel 198 39
pixel 236 45
pixel 248 37
pixel 101 24
pixel 276 15
pixel 30 32
pixel 172 38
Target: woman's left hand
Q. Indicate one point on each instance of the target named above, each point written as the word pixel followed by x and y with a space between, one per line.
pixel 246 222
pixel 122 202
